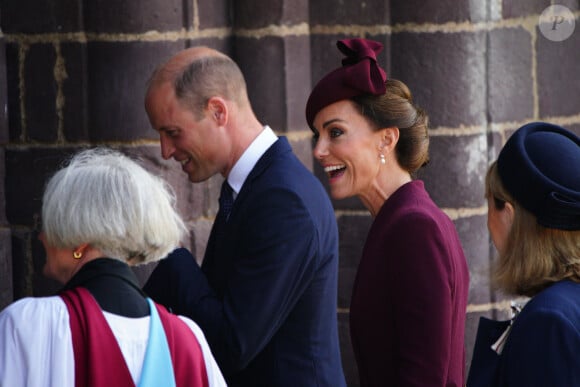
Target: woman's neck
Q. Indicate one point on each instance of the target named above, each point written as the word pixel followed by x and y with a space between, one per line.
pixel 382 188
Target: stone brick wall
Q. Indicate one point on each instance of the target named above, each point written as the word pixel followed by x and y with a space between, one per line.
pixel 73 74
pixel 6 294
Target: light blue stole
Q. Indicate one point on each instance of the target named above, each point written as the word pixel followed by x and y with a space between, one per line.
pixel 157 365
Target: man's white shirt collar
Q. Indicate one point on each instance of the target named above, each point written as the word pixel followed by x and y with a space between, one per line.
pixel 250 157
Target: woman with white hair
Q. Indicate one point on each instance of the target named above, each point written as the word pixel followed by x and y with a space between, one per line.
pixel 100 214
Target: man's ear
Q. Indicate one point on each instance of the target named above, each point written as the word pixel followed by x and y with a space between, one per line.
pixel 218 110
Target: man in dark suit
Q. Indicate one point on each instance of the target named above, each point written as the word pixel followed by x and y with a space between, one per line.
pixel 265 295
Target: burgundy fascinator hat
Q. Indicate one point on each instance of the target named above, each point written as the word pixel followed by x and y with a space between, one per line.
pixel 360 74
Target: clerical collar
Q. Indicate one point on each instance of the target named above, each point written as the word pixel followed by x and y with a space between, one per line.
pixel 114 286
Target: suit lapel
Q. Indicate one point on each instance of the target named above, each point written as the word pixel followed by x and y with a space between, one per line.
pixel 218 256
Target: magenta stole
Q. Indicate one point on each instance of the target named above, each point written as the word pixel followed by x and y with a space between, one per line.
pixel 98 358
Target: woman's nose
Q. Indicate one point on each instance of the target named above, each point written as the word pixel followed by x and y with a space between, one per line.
pixel 320 149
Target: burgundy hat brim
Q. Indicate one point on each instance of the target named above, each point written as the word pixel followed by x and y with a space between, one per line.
pixel 360 74
pixel 327 91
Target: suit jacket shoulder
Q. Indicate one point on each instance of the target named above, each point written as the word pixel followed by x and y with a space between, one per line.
pixel 543 347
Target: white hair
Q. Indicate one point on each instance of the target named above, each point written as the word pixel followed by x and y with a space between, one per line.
pixel 107 200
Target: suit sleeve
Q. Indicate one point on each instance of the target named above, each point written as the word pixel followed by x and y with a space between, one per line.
pixel 424 281
pixel 275 262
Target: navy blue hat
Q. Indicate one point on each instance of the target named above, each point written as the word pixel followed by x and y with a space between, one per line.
pixel 540 167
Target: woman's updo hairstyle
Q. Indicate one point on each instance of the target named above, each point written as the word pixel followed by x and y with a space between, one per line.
pixel 395 108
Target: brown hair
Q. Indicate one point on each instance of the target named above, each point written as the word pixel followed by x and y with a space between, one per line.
pixel 207 77
pixel 395 108
pixel 534 256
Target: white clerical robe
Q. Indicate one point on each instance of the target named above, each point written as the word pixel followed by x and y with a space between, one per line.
pixel 36 346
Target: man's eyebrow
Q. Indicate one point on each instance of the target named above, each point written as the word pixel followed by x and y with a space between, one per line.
pixel 165 129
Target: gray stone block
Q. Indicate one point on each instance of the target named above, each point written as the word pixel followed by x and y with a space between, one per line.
pixel 27 171
pixel 476 246
pixel 40 93
pixel 349 12
pixel 3 95
pixel 40 16
pixel 77 96
pixel 511 94
pixel 521 8
pixel 420 11
pixel 265 77
pixel 254 14
pixel 134 16
pixel 117 78
pixel 13 93
pixel 214 14
pixel 303 150
pixel 6 287
pixel 455 175
pixel 445 72
pixel 558 80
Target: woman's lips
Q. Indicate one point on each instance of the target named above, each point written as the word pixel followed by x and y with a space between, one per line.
pixel 335 171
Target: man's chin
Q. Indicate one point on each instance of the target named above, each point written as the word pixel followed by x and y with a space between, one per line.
pixel 196 179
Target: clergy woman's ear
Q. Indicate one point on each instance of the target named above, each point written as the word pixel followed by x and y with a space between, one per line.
pixel 80 250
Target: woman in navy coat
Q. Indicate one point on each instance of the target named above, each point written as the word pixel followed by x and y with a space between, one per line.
pixel 408 306
pixel 533 193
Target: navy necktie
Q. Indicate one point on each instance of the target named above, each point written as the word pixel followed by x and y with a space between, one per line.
pixel 217 237
pixel 226 202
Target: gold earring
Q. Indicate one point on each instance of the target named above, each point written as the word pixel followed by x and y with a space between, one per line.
pixel 77 254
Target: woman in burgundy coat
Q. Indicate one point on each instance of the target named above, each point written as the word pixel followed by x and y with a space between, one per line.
pixel 408 307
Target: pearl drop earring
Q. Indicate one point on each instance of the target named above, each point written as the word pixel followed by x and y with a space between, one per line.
pixel 383 161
